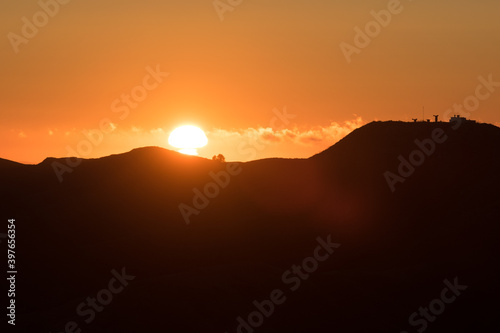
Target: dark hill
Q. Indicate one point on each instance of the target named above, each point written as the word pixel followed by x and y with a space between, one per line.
pixel 397 247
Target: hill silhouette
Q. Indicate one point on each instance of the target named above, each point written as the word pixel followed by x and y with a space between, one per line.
pixel 398 244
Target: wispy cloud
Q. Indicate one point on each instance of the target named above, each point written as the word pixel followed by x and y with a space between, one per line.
pixel 310 136
pixel 157 131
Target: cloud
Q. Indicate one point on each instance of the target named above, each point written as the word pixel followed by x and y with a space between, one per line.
pixel 157 131
pixel 271 137
pixel 309 136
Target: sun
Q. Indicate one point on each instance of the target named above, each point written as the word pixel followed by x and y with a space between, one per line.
pixel 187 139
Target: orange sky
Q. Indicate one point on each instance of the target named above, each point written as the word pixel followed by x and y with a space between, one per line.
pixel 232 77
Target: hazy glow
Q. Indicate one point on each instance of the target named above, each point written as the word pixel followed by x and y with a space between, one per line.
pixel 236 75
pixel 188 151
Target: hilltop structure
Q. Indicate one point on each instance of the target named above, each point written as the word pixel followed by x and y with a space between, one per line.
pixel 454 118
pixel 463 119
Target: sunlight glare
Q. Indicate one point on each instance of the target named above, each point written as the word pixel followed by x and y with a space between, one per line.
pixel 188 151
pixel 187 138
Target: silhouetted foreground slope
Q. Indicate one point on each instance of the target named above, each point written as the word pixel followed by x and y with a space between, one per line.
pixel 397 247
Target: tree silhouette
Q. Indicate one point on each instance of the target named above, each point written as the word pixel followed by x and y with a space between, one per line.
pixel 219 158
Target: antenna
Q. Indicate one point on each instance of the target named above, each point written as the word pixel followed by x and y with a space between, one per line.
pixel 436 116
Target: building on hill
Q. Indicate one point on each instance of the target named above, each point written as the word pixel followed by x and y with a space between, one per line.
pixel 458 118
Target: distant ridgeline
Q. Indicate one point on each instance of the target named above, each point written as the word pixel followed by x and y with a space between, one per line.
pixel 414 205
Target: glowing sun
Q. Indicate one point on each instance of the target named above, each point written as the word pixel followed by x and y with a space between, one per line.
pixel 187 139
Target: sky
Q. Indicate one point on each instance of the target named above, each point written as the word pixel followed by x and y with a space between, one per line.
pixel 262 78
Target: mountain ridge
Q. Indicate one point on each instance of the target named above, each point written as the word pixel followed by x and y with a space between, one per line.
pixel 123 211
